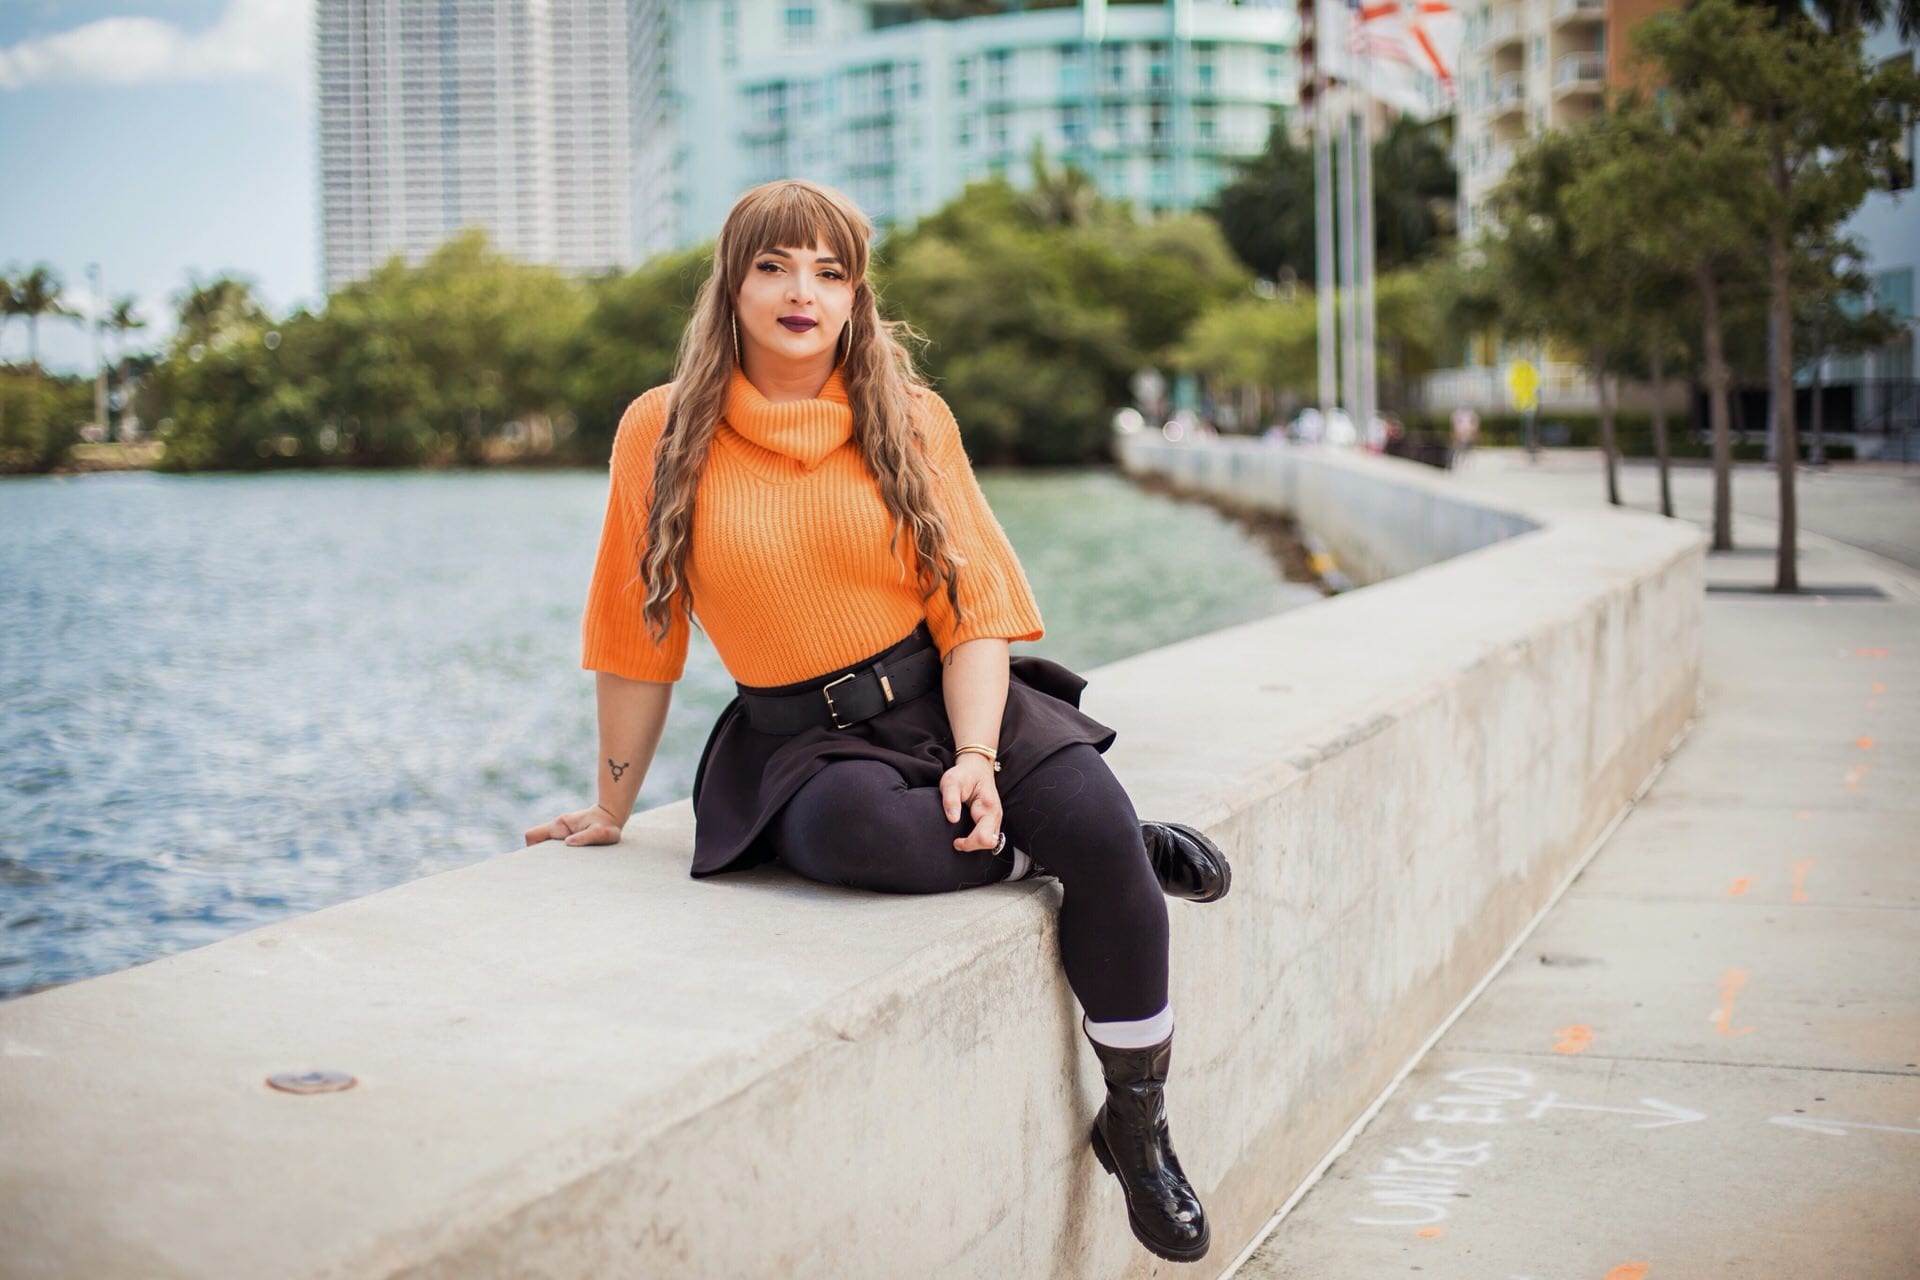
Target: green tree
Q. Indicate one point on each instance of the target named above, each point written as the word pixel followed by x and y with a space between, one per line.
pixel 1414 190
pixel 1827 126
pixel 1266 211
pixel 1036 321
pixel 34 295
pixel 1555 282
pixel 628 340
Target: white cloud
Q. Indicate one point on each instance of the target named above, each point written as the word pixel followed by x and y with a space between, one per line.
pixel 268 39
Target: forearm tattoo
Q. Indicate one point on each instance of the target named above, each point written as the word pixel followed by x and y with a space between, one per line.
pixel 618 769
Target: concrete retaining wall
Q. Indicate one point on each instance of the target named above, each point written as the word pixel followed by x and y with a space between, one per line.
pixel 578 1062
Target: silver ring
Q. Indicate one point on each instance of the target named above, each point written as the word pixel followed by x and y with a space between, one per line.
pixel 1000 844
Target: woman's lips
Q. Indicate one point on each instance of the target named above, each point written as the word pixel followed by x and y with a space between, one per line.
pixel 797 325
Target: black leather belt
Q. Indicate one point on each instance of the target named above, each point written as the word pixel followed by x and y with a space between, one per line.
pixel 849 696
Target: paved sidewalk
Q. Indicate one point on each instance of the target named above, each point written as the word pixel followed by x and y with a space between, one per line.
pixel 1705 1059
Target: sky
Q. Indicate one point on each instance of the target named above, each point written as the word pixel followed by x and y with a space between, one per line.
pixel 170 141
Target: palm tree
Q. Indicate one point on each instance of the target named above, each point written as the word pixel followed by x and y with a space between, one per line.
pixel 37 294
pixel 122 319
pixel 1063 197
pixel 212 312
pixel 9 304
pixel 1846 15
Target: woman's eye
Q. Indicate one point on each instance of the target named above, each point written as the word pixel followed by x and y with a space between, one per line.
pixel 774 265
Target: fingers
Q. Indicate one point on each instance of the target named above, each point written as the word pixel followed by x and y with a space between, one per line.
pixel 984 809
pixel 575 828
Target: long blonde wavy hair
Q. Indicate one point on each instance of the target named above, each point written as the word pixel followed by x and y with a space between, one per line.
pixel 881 382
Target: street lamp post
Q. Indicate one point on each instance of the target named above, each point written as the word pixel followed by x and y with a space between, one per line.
pixel 99 356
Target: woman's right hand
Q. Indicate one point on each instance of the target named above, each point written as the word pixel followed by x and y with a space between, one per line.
pixel 585 826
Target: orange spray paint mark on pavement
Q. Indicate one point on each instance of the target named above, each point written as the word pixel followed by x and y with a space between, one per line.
pixel 1430 1232
pixel 1723 1016
pixel 1804 814
pixel 1879 688
pixel 1854 775
pixel 1870 651
pixel 1574 1038
pixel 1739 887
pixel 1866 744
pixel 1628 1271
pixel 1800 879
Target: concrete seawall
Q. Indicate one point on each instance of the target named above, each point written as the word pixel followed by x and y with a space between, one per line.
pixel 581 1062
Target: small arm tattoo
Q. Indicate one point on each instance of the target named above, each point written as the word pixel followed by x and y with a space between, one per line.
pixel 618 769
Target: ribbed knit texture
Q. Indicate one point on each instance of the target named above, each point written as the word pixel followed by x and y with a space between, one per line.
pixel 790 567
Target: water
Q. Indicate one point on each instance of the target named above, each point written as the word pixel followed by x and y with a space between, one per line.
pixel 225 700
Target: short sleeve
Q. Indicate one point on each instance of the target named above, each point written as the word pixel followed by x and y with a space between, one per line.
pixel 613 631
pixel 994 591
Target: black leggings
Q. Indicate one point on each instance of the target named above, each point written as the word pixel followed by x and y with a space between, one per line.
pixel 857 823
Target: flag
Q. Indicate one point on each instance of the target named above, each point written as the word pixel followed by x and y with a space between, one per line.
pixel 1403 52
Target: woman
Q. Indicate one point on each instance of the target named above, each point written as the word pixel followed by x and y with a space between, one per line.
pixel 847 569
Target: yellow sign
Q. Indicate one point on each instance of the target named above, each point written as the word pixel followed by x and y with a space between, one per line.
pixel 1523 380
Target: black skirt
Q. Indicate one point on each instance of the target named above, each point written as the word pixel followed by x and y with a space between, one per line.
pixel 744 776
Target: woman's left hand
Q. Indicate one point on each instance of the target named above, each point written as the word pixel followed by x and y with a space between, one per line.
pixel 969 785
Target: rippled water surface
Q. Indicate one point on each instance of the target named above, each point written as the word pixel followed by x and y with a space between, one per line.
pixel 225 700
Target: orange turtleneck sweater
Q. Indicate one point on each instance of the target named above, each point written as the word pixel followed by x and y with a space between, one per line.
pixel 791 566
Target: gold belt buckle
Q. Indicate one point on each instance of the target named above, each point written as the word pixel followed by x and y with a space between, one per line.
pixel 833 710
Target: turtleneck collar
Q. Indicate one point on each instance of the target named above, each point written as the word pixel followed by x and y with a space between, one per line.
pixel 805 430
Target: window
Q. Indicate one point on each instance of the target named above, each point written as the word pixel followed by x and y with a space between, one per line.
pixel 962 69
pixel 1073 125
pixel 799 26
pixel 997 72
pixel 1893 292
pixel 1073 70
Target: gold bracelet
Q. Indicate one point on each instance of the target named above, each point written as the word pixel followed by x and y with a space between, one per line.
pixel 986 751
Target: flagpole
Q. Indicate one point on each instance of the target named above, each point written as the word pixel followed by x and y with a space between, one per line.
pixel 1369 382
pixel 1349 319
pixel 1326 334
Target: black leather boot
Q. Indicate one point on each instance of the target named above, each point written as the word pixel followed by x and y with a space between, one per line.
pixel 1130 1138
pixel 1188 864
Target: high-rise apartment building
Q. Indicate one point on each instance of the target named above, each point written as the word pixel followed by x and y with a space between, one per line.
pixel 902 104
pixel 437 115
pixel 1527 66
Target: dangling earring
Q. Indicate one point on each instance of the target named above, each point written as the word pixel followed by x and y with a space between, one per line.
pixel 736 339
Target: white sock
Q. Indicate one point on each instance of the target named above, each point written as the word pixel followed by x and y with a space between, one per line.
pixel 1138 1034
pixel 1021 865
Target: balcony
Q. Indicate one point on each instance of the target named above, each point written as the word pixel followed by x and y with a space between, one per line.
pixel 1566 12
pixel 1503 29
pixel 1583 72
pixel 1509 95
